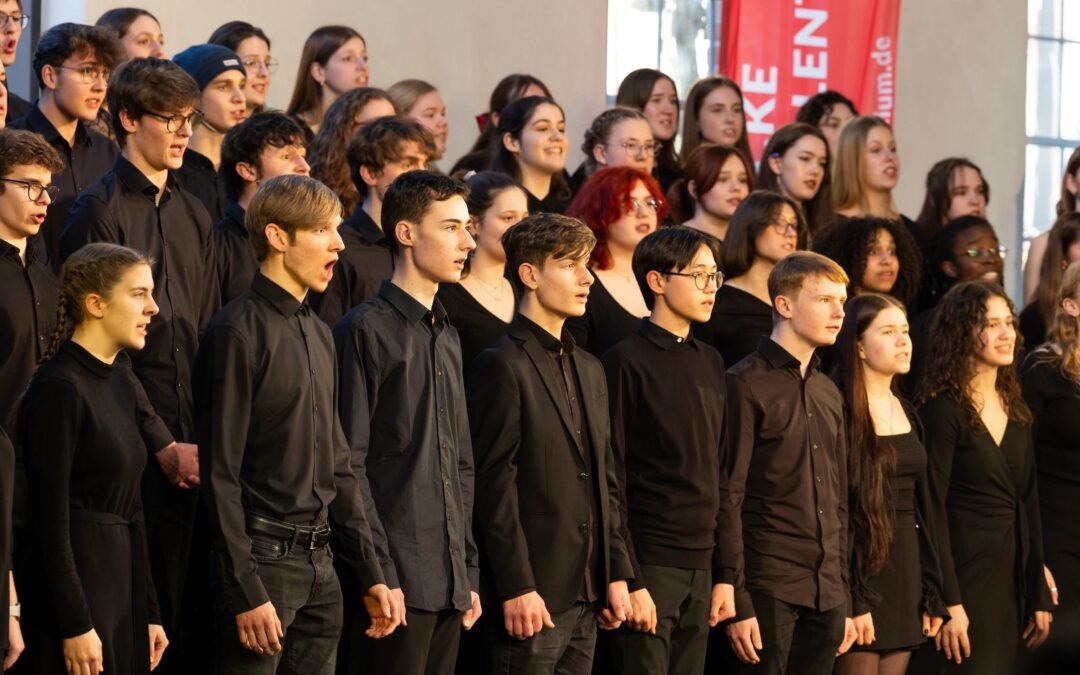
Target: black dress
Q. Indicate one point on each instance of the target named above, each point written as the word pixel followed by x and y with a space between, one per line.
pixel 739 320
pixel 477 327
pixel 910 582
pixel 986 519
pixel 85 458
pixel 604 323
pixel 1055 402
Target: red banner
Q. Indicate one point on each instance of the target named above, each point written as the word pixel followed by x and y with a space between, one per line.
pixel 781 52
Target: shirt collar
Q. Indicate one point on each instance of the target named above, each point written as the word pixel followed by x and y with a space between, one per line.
pixel 408 306
pixel 37 121
pixel 9 249
pixel 778 357
pixel 135 180
pixel 234 215
pixel 365 225
pixel 92 363
pixel 563 345
pixel 278 297
pixel 663 338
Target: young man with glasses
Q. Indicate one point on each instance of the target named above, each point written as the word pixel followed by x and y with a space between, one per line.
pixel 72 63
pixel 222 105
pixel 667 398
pixel 12 22
pixel 139 204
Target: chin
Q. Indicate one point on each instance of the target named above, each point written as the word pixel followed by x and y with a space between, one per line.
pixel 136 343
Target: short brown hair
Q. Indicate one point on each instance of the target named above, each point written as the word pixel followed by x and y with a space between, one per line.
pixel 25 148
pixel 541 236
pixel 380 142
pixel 292 203
pixel 147 85
pixel 792 271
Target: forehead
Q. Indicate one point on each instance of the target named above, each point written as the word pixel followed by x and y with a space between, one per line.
pixel 722 94
pixel 703 258
pixel 453 208
pixel 808 143
pixel 230 76
pixel 30 172
pixel 997 308
pixel 639 189
pixel 879 134
pixel 9 6
pixel 974 235
pixel 143 24
pixel 353 45
pixel 880 236
pixel 965 175
pixel 662 87
pixel 818 284
pixel 632 126
pixel 890 316
pixel 546 112
pixel 840 110
pixel 253 44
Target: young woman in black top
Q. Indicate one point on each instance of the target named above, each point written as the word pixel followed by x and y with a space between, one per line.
pixel 621 206
pixel 509 89
pixel 955 187
pixel 796 164
pixel 766 228
pixel 93 601
pixel 877 255
pixel 1067 203
pixel 532 149
pixel 866 170
pixel 1062 248
pixel 714 114
pixel 654 94
pixel 717 179
pixel 333 62
pixel 1050 379
pixel 895 578
pixel 253 47
pixel 617 137
pixel 981 476
pixel 482 304
pixel 829 112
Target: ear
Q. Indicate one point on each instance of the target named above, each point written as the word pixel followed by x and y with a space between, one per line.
pixel 599 153
pixel 127 121
pixel 277 238
pixel 783 306
pixel 317 72
pixel 510 143
pixel 527 274
pixel 691 189
pixel 494 117
pixel 949 268
pixel 368 176
pixel 49 76
pixel 1071 307
pixel 1070 183
pixel 247 172
pixel 862 352
pixel 774 164
pixel 405 233
pixel 94 305
pixel 655 281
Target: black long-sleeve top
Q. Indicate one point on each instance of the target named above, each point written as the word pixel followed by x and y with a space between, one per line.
pixel 739 320
pixel 28 297
pixel 402 407
pixel 668 400
pixel 783 488
pixel 236 262
pixel 84 455
pixel 18 107
pixel 604 323
pixel 89 158
pixel 269 439
pixel 361 268
pixel 477 327
pixel 7 490
pixel 198 177
pixel 120 208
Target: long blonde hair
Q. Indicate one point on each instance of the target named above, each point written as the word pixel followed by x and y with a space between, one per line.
pixel 1064 332
pixel 848 170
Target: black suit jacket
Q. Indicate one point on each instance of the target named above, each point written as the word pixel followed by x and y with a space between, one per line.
pixel 532 498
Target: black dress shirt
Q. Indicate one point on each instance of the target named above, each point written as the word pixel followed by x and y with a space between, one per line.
pixel 121 208
pixel 783 489
pixel 668 401
pixel 89 158
pixel 18 107
pixel 28 297
pixel 361 268
pixel 269 438
pixel 198 177
pixel 402 407
pixel 236 261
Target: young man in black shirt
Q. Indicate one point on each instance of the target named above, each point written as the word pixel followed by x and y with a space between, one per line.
pixel 265 145
pixel 553 558
pixel 275 463
pixel 139 204
pixel 381 150
pixel 402 406
pixel 72 63
pixel 222 105
pixel 783 520
pixel 13 21
pixel 667 399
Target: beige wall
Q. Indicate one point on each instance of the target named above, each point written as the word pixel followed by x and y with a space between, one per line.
pixel 960 91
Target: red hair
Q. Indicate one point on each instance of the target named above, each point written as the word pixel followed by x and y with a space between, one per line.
pixel 605 198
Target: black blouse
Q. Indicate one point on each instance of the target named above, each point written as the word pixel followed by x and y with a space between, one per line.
pixel 738 320
pixel 604 323
pixel 477 327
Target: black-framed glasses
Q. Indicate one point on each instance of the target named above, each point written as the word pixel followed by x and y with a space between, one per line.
pixel 173 123
pixel 90 74
pixel 649 204
pixel 254 63
pixel 782 228
pixel 634 148
pixel 702 279
pixel 35 190
pixel 984 253
pixel 20 19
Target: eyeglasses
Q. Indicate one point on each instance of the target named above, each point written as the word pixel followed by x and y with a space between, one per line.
pixel 253 63
pixel 173 123
pixel 35 190
pixel 782 228
pixel 20 19
pixel 649 204
pixel 634 148
pixel 702 279
pixel 90 74
pixel 986 253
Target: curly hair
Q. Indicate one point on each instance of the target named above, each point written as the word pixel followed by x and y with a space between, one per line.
pixel 950 366
pixel 605 198
pixel 847 242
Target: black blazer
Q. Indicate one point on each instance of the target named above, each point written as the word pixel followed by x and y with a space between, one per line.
pixel 532 492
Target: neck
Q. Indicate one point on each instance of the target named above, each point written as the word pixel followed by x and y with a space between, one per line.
pixel 409 279
pixel 273 268
pixel 673 323
pixel 486 268
pixel 985 381
pixel 373 205
pixel 532 310
pixel 756 279
pixel 93 340
pixel 784 335
pixel 246 194
pixel 879 204
pixel 207 142
pixel 536 182
pixel 64 123
pixel 878 385
pixel 709 223
pixel 155 176
pixel 621 263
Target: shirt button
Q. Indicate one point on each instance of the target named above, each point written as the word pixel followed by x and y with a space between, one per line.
pixel 815 446
pixel 316 408
pixel 583 476
pixel 179 385
pixel 818 478
pixel 584 527
pixel 438 373
pixel 442 410
pixel 821 512
pixel 316 445
pixel 809 414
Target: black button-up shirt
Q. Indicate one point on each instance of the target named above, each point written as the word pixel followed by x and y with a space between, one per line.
pixel 121 208
pixel 18 107
pixel 28 297
pixel 87 159
pixel 198 177
pixel 668 401
pixel 236 261
pixel 783 490
pixel 402 407
pixel 558 352
pixel 269 438
pixel 361 268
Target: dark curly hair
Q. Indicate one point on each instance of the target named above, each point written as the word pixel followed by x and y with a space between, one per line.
pixel 820 105
pixel 847 242
pixel 950 364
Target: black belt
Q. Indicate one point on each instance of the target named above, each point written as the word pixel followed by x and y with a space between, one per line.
pixel 305 536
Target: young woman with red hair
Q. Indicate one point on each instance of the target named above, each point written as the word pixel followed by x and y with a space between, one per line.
pixel 621 205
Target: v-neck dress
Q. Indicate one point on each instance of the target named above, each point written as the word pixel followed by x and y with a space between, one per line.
pixel 476 325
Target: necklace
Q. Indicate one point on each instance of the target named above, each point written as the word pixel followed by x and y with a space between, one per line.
pixel 495 291
pixel 892 409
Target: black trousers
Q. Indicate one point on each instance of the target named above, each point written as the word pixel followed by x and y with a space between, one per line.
pixel 304 590
pixel 566 649
pixel 427 646
pixel 796 640
pixel 682 600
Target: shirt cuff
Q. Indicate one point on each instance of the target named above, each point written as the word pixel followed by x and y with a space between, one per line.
pixel 245 596
pixel 389 573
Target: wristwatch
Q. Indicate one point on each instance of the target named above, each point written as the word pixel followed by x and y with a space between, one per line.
pixel 15 610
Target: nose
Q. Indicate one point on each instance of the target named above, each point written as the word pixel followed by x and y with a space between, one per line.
pixel 151 307
pixel 302 167
pixel 337 244
pixel 157 50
